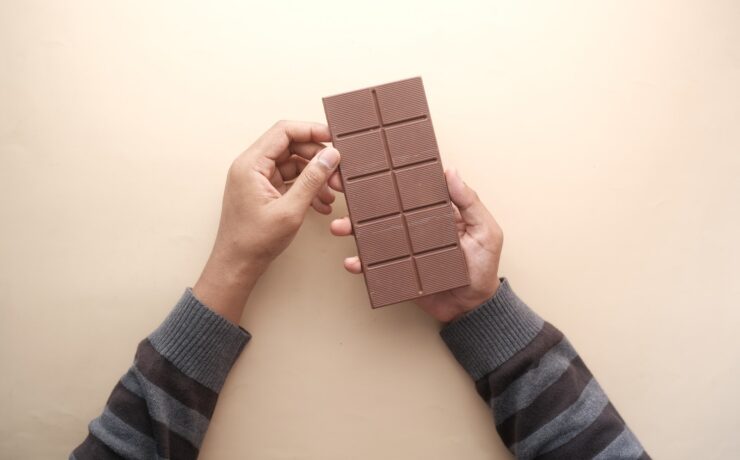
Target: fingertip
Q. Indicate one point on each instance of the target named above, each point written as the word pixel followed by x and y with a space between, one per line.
pixel 452 175
pixel 322 133
pixel 320 207
pixel 334 227
pixel 341 227
pixel 328 197
pixel 453 184
pixel 353 265
pixel 335 182
pixel 460 193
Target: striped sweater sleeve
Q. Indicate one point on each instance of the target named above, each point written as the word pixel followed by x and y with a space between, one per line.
pixel 545 402
pixel 162 406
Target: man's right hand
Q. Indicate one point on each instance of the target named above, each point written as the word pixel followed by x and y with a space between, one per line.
pixel 269 189
pixel 481 239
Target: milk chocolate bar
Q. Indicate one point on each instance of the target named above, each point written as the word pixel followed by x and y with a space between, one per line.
pixel 396 192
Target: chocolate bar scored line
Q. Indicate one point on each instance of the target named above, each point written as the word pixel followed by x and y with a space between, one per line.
pixel 395 213
pixel 397 190
pixel 400 168
pixel 420 253
pixel 407 121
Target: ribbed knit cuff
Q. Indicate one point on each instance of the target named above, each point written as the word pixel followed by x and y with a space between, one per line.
pixel 485 338
pixel 200 342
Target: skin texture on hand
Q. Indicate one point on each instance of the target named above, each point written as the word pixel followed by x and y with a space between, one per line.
pixel 269 189
pixel 481 240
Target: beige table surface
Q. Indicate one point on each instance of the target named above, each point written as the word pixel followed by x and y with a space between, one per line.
pixel 605 137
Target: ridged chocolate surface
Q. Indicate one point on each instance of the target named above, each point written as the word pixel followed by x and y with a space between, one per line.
pixel 396 192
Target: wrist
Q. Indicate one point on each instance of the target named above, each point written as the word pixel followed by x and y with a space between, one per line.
pixel 476 300
pixel 225 284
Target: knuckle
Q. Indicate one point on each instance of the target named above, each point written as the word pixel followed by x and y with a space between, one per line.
pixel 289 218
pixel 236 170
pixel 492 234
pixel 496 234
pixel 312 178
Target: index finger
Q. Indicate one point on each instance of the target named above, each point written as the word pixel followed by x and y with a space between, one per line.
pixel 335 182
pixel 274 143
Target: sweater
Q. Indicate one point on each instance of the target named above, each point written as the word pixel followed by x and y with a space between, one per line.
pixel 545 402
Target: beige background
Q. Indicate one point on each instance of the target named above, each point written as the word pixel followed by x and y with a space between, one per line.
pixel 605 137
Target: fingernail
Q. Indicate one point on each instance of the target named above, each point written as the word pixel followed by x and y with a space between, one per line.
pixel 329 157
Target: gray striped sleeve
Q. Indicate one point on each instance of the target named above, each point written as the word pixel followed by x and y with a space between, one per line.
pixel 162 406
pixel 488 336
pixel 566 425
pixel 529 386
pixel 545 402
pixel 167 410
pixel 625 446
pixel 122 438
pixel 199 342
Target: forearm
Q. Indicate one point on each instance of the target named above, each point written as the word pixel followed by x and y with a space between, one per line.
pixel 162 406
pixel 545 402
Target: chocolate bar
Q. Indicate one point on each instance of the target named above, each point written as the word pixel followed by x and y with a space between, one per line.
pixel 396 192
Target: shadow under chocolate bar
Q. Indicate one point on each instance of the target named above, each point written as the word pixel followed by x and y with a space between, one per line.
pixel 396 192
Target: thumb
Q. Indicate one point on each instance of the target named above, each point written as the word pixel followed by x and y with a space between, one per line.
pixel 313 177
pixel 471 208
